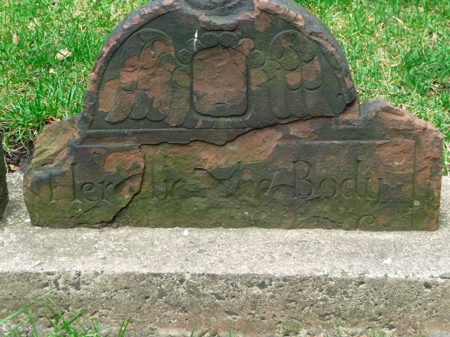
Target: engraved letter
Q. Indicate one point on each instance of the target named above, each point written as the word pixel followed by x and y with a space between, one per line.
pixel 328 188
pixel 71 185
pixel 374 189
pixel 364 187
pixel 303 186
pixel 366 222
pixel 348 188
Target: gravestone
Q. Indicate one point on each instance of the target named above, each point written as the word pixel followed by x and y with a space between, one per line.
pixel 234 114
pixel 3 186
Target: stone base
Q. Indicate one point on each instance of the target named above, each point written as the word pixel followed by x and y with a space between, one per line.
pixel 252 281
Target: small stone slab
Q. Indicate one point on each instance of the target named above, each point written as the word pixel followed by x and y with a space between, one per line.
pixel 3 186
pixel 234 114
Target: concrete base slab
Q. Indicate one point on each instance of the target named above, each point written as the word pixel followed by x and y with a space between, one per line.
pixel 253 282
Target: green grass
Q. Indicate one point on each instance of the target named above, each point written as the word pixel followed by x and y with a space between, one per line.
pixel 23 322
pixel 399 51
pixel 39 82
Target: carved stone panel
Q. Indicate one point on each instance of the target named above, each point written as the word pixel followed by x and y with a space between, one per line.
pixel 3 186
pixel 219 87
pixel 234 114
pixel 276 178
pixel 182 68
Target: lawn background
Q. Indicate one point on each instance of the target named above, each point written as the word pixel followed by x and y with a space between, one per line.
pixel 398 51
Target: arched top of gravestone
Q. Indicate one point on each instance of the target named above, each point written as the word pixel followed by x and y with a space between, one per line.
pixel 182 70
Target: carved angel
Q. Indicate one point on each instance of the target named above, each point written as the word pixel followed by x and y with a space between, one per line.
pixel 302 81
pixel 144 89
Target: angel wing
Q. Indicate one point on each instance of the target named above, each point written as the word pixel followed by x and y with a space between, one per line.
pixel 302 81
pixel 147 63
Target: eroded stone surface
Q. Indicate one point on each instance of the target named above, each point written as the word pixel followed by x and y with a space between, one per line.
pixel 70 184
pixel 3 187
pixel 342 173
pixel 232 113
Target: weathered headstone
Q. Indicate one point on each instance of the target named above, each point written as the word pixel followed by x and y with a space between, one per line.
pixel 3 186
pixel 232 113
